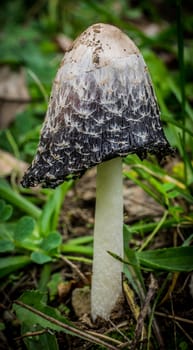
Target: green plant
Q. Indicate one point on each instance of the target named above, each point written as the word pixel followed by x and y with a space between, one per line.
pixel 33 238
pixel 168 53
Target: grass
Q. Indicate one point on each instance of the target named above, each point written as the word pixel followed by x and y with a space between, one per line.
pixel 30 221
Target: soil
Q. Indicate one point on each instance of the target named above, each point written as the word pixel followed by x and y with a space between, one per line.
pixel 173 318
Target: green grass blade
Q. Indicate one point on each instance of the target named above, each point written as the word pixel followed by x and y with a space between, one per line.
pixel 51 211
pixel 168 259
pixel 8 194
pixel 11 264
pixel 78 249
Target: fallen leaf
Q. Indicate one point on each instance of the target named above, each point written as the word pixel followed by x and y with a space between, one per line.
pixel 64 288
pixel 81 301
pixel 9 163
pixel 13 94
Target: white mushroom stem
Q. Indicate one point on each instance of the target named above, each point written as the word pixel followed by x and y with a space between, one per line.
pixel 108 236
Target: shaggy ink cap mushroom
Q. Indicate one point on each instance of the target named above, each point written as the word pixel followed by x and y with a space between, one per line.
pixel 102 106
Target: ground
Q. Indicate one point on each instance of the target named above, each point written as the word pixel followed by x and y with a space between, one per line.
pixel 73 291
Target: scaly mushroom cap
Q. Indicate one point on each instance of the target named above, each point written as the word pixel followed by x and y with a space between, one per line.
pixel 102 106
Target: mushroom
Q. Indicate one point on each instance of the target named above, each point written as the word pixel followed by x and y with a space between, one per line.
pixel 102 107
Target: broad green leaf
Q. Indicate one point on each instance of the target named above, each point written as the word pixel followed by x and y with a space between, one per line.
pixel 169 259
pixel 36 300
pixel 6 246
pixel 5 211
pixel 24 228
pixel 52 241
pixel 12 264
pixel 32 310
pixel 46 340
pixel 40 258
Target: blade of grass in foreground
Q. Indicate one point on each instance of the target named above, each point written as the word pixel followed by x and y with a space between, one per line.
pixel 32 309
pixel 11 264
pixel 8 194
pixel 167 259
pixel 51 211
pixel 78 249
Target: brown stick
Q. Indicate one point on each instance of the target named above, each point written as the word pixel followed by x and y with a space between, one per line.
pixel 76 331
pixel 144 312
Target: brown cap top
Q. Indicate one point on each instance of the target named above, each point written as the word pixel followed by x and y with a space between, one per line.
pixel 102 106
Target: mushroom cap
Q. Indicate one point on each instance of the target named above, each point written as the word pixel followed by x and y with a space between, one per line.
pixel 102 106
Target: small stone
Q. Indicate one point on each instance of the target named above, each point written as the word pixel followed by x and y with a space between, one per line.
pixel 81 301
